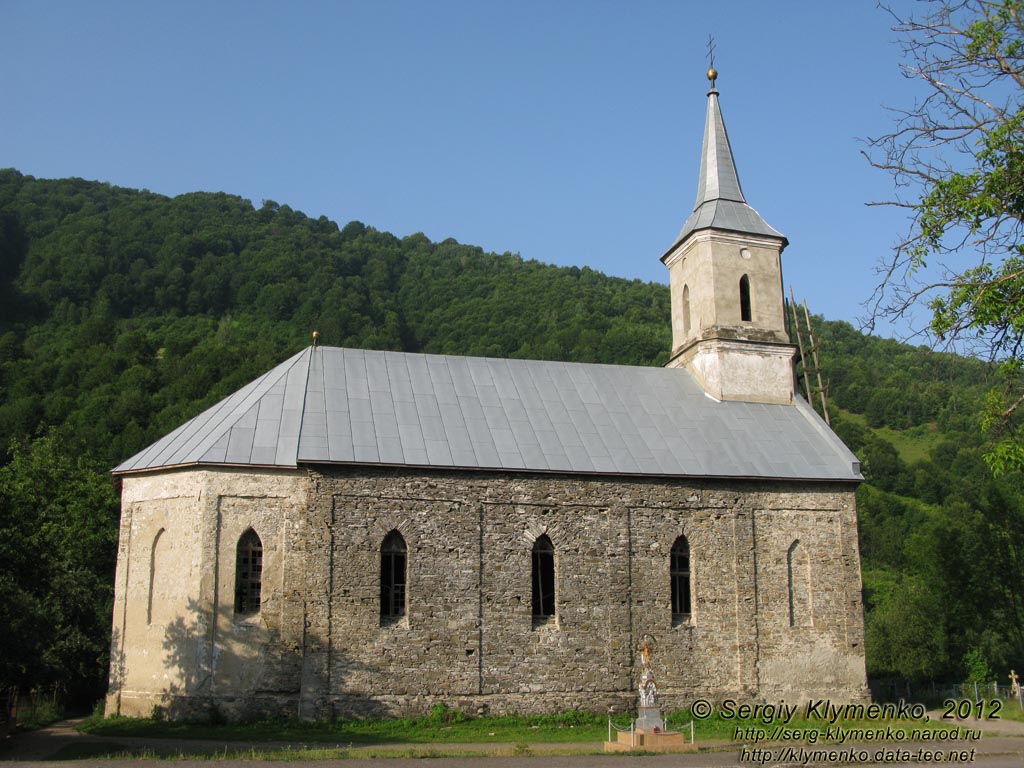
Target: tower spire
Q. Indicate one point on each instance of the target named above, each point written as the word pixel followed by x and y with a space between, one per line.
pixel 725 273
pixel 720 202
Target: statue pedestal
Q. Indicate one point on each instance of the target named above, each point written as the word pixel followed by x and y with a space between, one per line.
pixel 648 731
pixel 648 741
pixel 649 735
pixel 650 719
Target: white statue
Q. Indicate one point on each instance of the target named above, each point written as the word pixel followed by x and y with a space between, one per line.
pixel 648 689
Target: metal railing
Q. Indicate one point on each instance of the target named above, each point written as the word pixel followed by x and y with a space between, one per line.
pixel 688 725
pixel 933 692
pixel 632 730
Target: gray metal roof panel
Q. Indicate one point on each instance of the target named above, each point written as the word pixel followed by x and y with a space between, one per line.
pixel 190 443
pixel 338 422
pixel 452 415
pixel 340 449
pixel 385 425
pixel 411 436
pixel 487 455
pixel 263 455
pixel 444 389
pixel 377 379
pixel 579 458
pixel 366 454
pixel 433 428
pixel 401 390
pixel 239 446
pixel 363 434
pixel 419 376
pixel 438 453
pixel 391 450
pixel 568 437
pixel 218 451
pixel 471 408
pixel 339 405
pixel 359 409
pixel 523 433
pixel 462 379
pixel 459 441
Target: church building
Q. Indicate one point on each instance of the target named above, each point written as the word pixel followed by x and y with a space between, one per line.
pixel 360 532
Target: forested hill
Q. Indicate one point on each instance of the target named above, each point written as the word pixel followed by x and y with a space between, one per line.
pixel 128 311
pixel 123 313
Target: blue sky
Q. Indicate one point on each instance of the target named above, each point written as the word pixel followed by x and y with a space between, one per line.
pixel 566 131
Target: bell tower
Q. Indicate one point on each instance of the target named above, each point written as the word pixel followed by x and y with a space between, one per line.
pixel 725 276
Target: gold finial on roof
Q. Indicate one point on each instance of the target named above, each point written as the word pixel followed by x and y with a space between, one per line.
pixel 316 338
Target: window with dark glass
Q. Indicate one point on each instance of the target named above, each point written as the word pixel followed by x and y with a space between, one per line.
pixel 543 579
pixel 392 577
pixel 248 574
pixel 680 574
pixel 745 299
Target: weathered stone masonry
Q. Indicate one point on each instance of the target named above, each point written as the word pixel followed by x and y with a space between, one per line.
pixel 317 647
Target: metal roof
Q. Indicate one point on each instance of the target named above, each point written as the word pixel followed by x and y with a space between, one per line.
pixel 328 405
pixel 720 203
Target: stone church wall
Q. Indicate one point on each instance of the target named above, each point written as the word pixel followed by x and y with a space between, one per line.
pixel 774 571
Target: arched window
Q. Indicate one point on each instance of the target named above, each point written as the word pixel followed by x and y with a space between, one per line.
pixel 745 299
pixel 392 578
pixel 686 310
pixel 799 572
pixel 248 574
pixel 679 571
pixel 157 566
pixel 543 579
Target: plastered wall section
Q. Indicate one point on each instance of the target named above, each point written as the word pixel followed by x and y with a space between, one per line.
pixel 319 649
pixel 176 642
pixel 710 264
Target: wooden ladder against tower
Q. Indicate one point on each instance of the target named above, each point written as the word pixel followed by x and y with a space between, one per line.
pixel 810 366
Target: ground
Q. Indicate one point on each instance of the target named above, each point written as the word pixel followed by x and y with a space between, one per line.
pixel 1002 746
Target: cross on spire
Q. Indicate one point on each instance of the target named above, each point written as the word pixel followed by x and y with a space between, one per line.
pixel 712 72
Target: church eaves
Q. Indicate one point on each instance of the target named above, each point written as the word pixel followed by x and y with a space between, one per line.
pixel 720 202
pixel 328 405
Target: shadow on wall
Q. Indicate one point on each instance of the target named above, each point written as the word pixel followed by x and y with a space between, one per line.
pixel 236 670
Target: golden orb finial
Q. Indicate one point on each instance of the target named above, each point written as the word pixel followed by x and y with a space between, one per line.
pixel 316 338
pixel 712 74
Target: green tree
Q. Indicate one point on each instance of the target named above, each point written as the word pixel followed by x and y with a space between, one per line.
pixel 957 159
pixel 904 632
pixel 57 554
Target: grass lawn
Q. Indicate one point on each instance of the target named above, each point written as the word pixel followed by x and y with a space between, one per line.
pixel 444 733
pixel 445 726
pixel 1012 711
pixel 291 754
